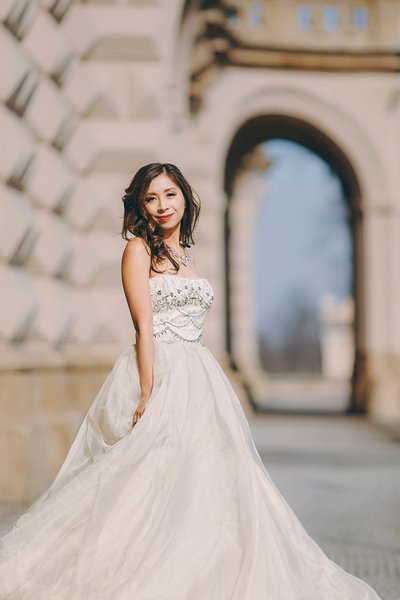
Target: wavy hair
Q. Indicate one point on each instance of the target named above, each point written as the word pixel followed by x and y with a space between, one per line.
pixel 138 223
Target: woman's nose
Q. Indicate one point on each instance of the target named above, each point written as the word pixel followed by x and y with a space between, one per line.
pixel 162 204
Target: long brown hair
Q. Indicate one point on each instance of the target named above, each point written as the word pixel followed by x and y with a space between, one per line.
pixel 139 224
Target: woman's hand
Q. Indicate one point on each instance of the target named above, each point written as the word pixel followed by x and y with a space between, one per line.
pixel 139 410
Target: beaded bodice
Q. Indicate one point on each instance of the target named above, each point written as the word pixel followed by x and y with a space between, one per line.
pixel 179 306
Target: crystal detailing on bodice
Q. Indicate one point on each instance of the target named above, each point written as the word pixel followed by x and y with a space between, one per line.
pixel 179 307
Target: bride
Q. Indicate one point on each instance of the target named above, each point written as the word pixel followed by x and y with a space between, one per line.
pixel 163 495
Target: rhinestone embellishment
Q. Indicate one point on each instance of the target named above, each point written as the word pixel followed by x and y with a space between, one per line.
pixel 179 308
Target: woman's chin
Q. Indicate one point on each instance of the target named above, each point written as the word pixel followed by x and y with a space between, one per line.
pixel 171 224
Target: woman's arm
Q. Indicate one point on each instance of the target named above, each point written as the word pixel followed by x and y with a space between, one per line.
pixel 135 270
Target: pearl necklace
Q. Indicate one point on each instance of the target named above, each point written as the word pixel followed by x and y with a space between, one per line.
pixel 184 258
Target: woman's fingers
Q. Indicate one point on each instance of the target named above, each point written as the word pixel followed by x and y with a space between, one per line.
pixel 138 413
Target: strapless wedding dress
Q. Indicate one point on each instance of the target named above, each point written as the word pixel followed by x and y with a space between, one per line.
pixel 179 507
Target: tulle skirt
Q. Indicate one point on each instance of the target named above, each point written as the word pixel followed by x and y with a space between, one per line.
pixel 179 507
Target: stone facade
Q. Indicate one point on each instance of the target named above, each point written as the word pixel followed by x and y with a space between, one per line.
pixel 93 90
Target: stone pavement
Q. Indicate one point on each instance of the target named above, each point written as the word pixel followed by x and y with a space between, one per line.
pixel 341 476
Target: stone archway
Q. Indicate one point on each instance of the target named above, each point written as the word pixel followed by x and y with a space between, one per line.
pixel 227 95
pixel 241 96
pixel 239 222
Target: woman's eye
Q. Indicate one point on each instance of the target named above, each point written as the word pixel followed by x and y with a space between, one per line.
pixel 150 198
pixel 170 194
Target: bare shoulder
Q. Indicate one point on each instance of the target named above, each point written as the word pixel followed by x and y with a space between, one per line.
pixel 136 252
pixel 137 246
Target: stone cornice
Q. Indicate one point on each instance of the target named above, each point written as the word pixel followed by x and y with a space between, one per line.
pixel 313 59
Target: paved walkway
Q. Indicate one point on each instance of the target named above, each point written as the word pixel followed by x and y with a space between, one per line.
pixel 341 476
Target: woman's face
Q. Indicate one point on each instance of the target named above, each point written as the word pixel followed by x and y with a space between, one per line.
pixel 165 202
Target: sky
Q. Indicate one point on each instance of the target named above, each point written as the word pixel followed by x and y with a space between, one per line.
pixel 302 241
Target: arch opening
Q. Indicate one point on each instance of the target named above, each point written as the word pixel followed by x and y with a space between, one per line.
pixel 245 163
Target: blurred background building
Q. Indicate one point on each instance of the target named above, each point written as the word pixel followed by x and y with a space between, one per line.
pixel 284 116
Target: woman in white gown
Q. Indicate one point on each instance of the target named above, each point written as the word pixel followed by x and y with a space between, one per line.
pixel 163 495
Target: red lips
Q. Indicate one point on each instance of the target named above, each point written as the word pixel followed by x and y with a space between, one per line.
pixel 165 218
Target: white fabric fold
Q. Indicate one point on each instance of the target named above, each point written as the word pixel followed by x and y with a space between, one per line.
pixel 180 507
